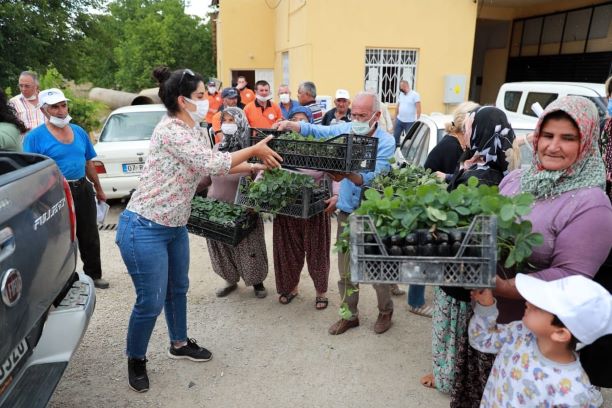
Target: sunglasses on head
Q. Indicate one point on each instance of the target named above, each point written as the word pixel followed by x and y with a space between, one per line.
pixel 185 71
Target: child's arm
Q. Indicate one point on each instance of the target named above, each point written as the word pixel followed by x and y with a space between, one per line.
pixel 484 333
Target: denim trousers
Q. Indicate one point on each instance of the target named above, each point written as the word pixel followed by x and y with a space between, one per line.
pixel 157 259
pixel 416 295
pixel 399 128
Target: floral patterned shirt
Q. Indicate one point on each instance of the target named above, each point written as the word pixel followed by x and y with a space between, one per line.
pixel 179 156
pixel 522 376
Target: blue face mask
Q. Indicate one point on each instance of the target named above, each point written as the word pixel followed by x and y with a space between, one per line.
pixel 610 107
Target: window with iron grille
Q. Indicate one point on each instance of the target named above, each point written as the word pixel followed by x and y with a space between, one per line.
pixel 386 67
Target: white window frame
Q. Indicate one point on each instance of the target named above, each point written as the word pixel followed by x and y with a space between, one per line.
pixel 386 67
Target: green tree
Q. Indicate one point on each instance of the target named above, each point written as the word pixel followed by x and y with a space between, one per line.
pixel 34 33
pixel 158 32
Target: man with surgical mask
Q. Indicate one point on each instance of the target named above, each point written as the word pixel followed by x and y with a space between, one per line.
pixel 25 104
pixel 214 101
pixel 262 113
pixel 284 100
pixel 364 121
pixel 70 147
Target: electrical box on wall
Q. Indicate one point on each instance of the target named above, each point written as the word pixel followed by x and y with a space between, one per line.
pixel 454 88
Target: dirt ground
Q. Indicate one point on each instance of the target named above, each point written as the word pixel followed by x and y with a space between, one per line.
pixel 265 354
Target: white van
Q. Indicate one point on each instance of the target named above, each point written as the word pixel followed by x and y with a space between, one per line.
pixel 517 97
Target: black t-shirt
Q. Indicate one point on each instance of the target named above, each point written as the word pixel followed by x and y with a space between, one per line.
pixel 445 156
pixel 331 115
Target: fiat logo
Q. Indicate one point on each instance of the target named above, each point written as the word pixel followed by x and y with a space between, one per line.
pixel 11 287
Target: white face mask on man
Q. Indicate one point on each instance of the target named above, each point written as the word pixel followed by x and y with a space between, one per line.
pixel 261 98
pixel 362 128
pixel 30 98
pixel 60 122
pixel 284 98
pixel 201 110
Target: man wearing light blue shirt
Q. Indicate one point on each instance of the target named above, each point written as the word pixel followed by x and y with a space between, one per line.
pixel 365 113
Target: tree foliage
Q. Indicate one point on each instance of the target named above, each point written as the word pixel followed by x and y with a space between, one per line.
pixel 35 33
pixel 116 47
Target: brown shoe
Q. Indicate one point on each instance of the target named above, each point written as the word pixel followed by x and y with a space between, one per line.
pixel 343 325
pixel 383 323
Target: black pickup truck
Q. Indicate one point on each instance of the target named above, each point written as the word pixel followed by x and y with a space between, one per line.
pixel 45 305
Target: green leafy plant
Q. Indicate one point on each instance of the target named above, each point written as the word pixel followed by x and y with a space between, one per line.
pixel 277 189
pixel 399 211
pixel 410 176
pixel 218 212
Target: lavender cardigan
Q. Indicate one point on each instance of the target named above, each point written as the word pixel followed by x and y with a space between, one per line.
pixel 577 231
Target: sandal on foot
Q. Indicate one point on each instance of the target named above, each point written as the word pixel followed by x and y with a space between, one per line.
pixel 428 381
pixel 286 298
pixel 321 302
pixel 223 292
pixel 425 310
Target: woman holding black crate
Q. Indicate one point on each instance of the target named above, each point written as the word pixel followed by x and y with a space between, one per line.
pixel 247 260
pixel 297 239
pixel 152 234
pixel 488 138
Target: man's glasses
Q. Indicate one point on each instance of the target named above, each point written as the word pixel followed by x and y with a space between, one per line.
pixel 185 71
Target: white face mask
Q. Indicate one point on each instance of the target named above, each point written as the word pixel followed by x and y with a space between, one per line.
pixel 263 98
pixel 284 98
pixel 212 89
pixel 30 98
pixel 201 110
pixel 59 122
pixel 229 128
pixel 362 128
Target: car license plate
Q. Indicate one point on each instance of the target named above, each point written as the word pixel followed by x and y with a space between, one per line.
pixel 11 362
pixel 132 167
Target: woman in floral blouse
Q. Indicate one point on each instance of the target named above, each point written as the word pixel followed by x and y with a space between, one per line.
pixel 151 233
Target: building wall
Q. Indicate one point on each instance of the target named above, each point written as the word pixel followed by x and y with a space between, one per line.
pixel 326 40
pixel 245 37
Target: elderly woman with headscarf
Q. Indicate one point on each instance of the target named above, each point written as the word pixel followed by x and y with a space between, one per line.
pixel 488 138
pixel 572 212
pixel 296 239
pixel 248 260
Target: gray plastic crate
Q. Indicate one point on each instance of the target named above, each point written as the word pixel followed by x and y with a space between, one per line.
pixel 459 270
pixel 311 202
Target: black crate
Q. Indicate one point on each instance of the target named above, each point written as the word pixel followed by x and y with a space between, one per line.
pixel 343 153
pixel 310 203
pixel 462 270
pixel 227 234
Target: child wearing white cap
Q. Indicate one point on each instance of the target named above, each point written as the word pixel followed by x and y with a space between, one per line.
pixel 536 363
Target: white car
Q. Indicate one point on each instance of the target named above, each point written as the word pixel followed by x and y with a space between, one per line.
pixel 426 132
pixel 123 147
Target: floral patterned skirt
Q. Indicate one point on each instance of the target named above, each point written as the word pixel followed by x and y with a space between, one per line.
pixel 450 320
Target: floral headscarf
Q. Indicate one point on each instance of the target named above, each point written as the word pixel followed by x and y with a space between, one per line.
pixel 586 171
pixel 489 137
pixel 240 139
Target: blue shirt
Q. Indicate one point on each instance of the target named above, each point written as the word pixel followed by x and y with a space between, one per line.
pixel 70 158
pixel 350 193
pixel 293 104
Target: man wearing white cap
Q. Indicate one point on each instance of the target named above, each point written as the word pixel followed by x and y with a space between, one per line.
pixel 70 147
pixel 536 363
pixel 342 111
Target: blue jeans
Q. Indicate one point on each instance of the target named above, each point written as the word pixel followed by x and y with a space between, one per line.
pixel 157 259
pixel 416 295
pixel 399 127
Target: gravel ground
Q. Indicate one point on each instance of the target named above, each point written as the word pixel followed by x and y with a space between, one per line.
pixel 265 354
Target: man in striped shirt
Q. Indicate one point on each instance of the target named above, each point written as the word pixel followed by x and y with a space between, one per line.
pixel 25 103
pixel 307 94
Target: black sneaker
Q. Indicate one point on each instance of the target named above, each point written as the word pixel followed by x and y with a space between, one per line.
pixel 260 290
pixel 190 351
pixel 137 374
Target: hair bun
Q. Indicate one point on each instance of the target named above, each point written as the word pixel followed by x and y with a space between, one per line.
pixel 161 74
